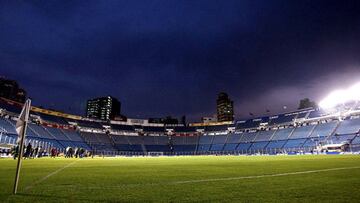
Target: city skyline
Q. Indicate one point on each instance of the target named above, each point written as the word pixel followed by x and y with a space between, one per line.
pixel 160 58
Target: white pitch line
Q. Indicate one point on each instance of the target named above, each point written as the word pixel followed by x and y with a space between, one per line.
pixel 265 176
pixel 49 175
pixel 220 179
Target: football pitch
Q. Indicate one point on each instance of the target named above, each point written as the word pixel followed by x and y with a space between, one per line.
pixel 305 178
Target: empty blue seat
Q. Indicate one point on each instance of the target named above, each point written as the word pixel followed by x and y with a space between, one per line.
pixel 203 147
pixel 282 134
pixel 243 146
pixel 323 129
pixel 259 145
pixel 349 126
pixel 230 147
pixel 217 147
pixel 296 143
pixel 302 132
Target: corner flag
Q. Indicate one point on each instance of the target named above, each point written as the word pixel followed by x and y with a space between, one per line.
pixel 23 117
pixel 21 125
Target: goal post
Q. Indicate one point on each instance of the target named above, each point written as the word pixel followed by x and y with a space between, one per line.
pixel 155 153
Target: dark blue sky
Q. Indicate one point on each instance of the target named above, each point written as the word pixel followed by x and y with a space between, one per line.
pixel 173 57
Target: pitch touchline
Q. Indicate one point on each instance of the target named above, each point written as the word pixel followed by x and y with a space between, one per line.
pixel 264 176
pixel 49 175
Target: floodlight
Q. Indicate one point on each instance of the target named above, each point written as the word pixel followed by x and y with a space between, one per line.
pixel 341 97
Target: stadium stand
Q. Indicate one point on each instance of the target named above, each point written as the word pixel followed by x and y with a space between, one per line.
pixel 282 134
pixel 349 126
pixel 281 119
pixel 7 126
pixel 264 135
pixel 302 132
pixel 274 134
pixel 323 129
pixel 127 128
pixel 248 136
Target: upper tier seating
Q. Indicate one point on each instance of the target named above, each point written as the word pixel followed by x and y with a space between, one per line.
pixel 282 134
pixel 40 131
pixel 302 132
pixel 89 124
pixel 247 124
pixel 349 126
pixel 220 139
pixel 315 114
pixel 280 119
pixel 90 137
pixel 264 135
pixel 57 133
pixel 323 129
pixel 233 138
pixel 5 125
pixel 248 137
pixel 301 115
pixel 73 135
pixel 117 127
pixel 184 129
pixel 338 139
pixel 153 129
pixel 356 140
pixel 53 119
pixel 216 128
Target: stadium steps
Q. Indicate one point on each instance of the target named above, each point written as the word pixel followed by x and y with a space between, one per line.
pixel 327 138
pixel 257 134
pixel 270 139
pixel 312 130
pixel 272 136
pixel 38 133
pixel 11 123
pixel 111 141
pixel 86 141
pixel 143 148
pixel 197 144
pixel 291 133
pixel 60 132
pixel 227 137
pixel 310 133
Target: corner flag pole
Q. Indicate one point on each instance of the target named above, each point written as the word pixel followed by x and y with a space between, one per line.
pixel 21 126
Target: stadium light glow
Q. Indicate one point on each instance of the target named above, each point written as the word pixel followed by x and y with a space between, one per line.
pixel 338 97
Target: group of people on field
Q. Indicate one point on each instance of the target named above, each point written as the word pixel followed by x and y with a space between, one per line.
pixel 77 152
pixel 29 152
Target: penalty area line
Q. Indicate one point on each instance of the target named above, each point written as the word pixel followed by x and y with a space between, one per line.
pixel 49 175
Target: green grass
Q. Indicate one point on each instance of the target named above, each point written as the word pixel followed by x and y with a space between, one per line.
pixel 158 179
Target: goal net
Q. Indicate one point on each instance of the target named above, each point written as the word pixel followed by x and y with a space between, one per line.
pixel 155 153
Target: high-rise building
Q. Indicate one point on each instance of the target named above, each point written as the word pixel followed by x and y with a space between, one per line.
pixel 10 89
pixel 225 108
pixel 103 108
